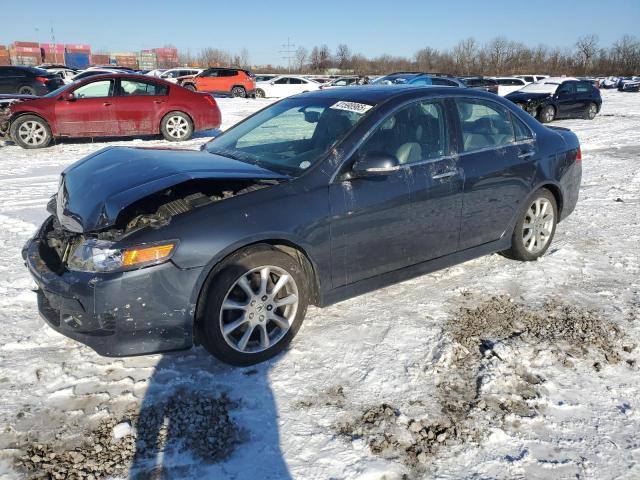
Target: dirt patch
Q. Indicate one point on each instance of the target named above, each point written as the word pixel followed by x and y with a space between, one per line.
pixel 186 422
pixel 484 377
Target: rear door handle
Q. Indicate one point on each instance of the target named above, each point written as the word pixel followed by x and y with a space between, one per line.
pixel 526 154
pixel 445 175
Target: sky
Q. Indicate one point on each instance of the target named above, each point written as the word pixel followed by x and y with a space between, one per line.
pixel 371 27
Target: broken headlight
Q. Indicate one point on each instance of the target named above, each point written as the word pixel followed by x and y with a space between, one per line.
pixel 101 256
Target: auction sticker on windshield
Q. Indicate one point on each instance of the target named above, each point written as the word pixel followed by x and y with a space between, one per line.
pixel 352 107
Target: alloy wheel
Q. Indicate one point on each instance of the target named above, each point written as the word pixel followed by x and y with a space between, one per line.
pixel 591 112
pixel 177 126
pixel 259 308
pixel 538 225
pixel 26 91
pixel 32 133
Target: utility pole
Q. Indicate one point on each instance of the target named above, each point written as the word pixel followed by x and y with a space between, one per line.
pixel 287 52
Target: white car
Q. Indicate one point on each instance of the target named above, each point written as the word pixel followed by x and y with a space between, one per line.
pixel 156 73
pixel 172 74
pixel 532 78
pixel 506 85
pixel 65 73
pixel 284 86
pixel 265 77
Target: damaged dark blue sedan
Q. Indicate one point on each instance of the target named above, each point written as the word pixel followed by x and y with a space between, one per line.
pixel 315 199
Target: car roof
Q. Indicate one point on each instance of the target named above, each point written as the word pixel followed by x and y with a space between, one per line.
pixel 378 94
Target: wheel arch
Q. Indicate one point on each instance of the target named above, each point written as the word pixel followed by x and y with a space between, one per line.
pixel 17 115
pixel 179 110
pixel 287 246
pixel 557 194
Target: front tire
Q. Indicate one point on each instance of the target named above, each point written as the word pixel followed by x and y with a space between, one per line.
pixel 176 126
pixel 30 131
pixel 255 303
pixel 547 114
pixel 535 229
pixel 260 93
pixel 238 92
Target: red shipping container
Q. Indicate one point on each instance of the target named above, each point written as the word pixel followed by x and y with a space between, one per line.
pixel 22 50
pixel 100 59
pixel 52 47
pixel 78 47
pixel 26 44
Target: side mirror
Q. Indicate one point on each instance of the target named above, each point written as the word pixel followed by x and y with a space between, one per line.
pixel 272 83
pixel 374 164
pixel 69 97
pixel 312 117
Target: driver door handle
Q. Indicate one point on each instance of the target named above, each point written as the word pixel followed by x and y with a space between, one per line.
pixel 445 175
pixel 107 104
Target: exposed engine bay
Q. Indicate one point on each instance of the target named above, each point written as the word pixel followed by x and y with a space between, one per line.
pixel 154 211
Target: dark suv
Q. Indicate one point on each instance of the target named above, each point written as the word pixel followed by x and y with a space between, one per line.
pixel 28 80
pixel 481 83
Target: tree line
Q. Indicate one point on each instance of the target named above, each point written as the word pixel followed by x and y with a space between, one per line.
pixel 499 56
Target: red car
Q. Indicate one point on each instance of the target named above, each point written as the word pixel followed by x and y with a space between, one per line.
pixel 109 105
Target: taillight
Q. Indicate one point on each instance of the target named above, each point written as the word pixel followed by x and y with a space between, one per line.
pixel 42 80
pixel 579 155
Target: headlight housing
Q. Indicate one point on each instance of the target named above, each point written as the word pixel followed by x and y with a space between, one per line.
pixel 101 256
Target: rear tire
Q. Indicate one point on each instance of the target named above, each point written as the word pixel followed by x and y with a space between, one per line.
pixel 238 92
pixel 535 229
pixel 547 114
pixel 30 131
pixel 237 323
pixel 26 90
pixel 591 111
pixel 176 126
pixel 190 86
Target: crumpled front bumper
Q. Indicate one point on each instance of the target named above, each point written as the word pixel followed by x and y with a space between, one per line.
pixel 117 314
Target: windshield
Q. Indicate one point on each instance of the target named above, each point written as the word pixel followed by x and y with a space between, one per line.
pixel 290 136
pixel 541 87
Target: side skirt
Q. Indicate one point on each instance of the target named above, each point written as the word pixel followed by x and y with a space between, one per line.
pixel 374 283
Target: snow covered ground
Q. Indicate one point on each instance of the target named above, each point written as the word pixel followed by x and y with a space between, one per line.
pixel 489 369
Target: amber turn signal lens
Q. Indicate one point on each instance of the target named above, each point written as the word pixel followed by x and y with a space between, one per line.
pixel 138 256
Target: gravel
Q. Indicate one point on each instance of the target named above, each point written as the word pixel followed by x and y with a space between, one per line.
pixel 186 422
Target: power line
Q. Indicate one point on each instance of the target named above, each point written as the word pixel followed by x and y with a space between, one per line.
pixel 287 52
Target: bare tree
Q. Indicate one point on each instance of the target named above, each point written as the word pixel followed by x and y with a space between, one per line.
pixel 343 56
pixel 245 61
pixel 587 46
pixel 301 58
pixel 214 57
pixel 324 58
pixel 465 54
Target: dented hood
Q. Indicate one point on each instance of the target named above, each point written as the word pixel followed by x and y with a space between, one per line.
pixel 94 190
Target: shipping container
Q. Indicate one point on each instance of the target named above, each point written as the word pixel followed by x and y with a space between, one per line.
pixel 52 47
pixel 26 44
pixel 29 61
pixel 100 59
pixel 78 47
pixel 76 60
pixel 4 60
pixel 22 50
pixel 3 48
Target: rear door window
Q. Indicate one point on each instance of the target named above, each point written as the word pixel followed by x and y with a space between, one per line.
pixel 412 134
pixel 136 88
pixel 484 125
